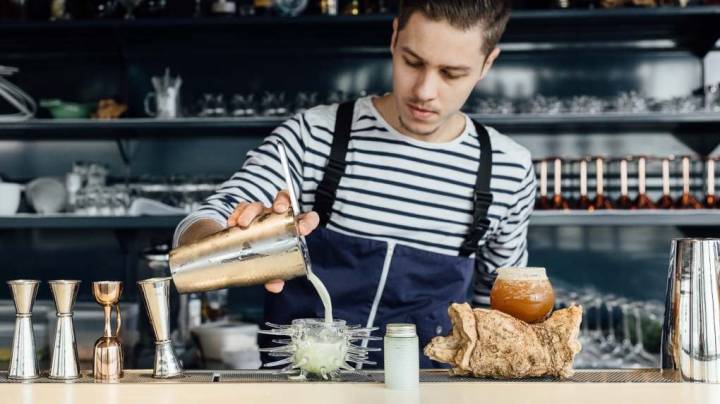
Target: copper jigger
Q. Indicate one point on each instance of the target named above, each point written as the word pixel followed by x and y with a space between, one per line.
pixel 108 358
pixel 270 248
pixel 156 294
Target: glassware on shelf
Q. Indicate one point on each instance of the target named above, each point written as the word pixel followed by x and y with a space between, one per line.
pixel 711 200
pixel 543 202
pixel 558 201
pixel 687 200
pixel 642 201
pixel 130 6
pixel 600 202
pixel 623 201
pixel 583 202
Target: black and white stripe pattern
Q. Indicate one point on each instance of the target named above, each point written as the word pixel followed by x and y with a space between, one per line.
pixel 394 188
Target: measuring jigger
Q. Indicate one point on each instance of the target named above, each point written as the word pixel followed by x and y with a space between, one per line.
pixel 23 362
pixel 270 248
pixel 64 363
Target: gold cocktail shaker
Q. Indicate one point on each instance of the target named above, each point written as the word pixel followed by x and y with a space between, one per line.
pixel 270 248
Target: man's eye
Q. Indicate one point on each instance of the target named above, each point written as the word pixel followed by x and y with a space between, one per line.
pixel 413 64
pixel 450 76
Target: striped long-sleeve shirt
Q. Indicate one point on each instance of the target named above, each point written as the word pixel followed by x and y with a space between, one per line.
pixel 395 187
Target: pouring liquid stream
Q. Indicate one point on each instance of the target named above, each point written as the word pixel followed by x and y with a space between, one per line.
pixel 314 280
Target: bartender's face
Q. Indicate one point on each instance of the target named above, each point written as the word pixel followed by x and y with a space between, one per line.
pixel 435 68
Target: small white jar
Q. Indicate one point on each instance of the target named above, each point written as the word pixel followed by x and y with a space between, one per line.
pixel 402 358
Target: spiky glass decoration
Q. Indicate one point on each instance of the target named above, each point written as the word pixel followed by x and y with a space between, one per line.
pixel 317 349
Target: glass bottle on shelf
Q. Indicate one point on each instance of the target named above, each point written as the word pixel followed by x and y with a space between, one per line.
pixel 263 7
pixel 583 201
pixel 623 201
pixel 642 201
pixel 328 7
pixel 600 202
pixel 711 201
pixel 542 202
pixel 351 7
pixel 686 200
pixel 558 201
pixel 666 201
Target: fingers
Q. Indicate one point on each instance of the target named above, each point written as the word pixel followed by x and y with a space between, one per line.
pixel 248 214
pixel 307 222
pixel 275 286
pixel 282 202
pixel 232 219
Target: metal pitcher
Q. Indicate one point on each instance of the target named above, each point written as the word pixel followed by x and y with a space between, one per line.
pixel 691 331
pixel 270 248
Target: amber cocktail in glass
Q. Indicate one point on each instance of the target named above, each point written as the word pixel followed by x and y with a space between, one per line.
pixel 524 293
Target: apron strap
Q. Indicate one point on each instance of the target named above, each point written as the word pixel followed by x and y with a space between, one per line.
pixel 482 197
pixel 335 168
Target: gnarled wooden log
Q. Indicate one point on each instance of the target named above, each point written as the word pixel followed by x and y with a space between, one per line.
pixel 490 343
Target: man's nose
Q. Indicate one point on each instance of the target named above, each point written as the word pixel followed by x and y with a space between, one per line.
pixel 426 87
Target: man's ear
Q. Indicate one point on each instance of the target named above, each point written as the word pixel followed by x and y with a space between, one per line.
pixel 393 40
pixel 489 60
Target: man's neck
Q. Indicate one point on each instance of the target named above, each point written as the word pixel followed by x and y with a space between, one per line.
pixel 448 131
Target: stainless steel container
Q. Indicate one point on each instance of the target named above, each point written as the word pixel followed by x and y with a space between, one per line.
pixel 691 331
pixel 270 248
pixel 23 362
pixel 156 294
pixel 64 363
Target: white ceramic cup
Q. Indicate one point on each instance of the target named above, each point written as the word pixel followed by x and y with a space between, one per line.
pixel 9 198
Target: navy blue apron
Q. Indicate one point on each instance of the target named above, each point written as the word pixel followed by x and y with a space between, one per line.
pixel 373 282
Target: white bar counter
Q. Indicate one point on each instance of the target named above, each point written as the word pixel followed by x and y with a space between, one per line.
pixel 495 392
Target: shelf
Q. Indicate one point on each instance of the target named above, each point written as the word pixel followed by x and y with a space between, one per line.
pixel 69 221
pixel 706 218
pixel 527 123
pixel 627 218
pixel 694 28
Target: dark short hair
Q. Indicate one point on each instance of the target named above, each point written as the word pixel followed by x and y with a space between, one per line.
pixel 493 15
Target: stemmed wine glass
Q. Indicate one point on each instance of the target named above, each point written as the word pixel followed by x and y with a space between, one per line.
pixel 623 201
pixel 558 201
pixel 642 201
pixel 583 201
pixel 542 202
pixel 600 202
pixel 666 201
pixel 686 200
pixel 711 200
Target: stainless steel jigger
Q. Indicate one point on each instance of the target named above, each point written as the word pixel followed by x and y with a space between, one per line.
pixel 156 292
pixel 691 332
pixel 23 362
pixel 64 363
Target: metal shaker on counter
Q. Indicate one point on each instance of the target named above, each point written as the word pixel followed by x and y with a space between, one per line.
pixel 23 361
pixel 64 363
pixel 691 330
pixel 270 248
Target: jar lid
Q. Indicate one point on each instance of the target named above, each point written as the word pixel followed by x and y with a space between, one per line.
pixel 400 330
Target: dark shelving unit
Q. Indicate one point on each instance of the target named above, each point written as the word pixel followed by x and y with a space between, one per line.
pixel 693 28
pixel 689 218
pixel 681 123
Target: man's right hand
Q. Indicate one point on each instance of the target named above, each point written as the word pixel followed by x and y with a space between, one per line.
pixel 245 213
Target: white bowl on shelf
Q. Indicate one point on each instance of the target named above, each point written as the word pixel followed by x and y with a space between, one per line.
pixel 225 336
pixel 9 198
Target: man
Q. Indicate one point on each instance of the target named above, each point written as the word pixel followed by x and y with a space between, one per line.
pixel 416 200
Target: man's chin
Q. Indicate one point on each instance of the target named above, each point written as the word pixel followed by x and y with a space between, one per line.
pixel 419 128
